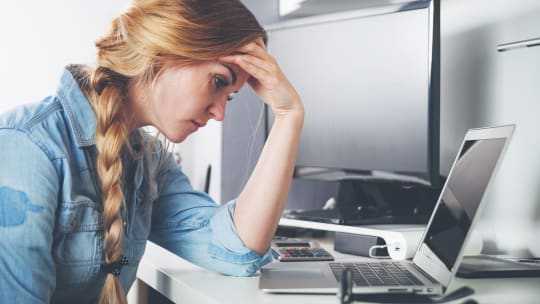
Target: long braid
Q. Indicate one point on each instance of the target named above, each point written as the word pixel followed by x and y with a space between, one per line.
pixel 111 136
pixel 149 37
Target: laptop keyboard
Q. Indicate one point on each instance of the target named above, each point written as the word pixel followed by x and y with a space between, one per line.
pixel 376 274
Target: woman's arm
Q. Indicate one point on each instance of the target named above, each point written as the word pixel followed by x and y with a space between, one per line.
pixel 260 205
pixel 28 196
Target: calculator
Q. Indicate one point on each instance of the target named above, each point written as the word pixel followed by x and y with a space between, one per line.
pixel 299 250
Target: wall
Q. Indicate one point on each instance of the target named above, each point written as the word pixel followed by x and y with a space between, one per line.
pixel 40 37
pixel 482 87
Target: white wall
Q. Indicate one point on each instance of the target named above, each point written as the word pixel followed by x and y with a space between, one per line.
pixel 40 37
pixel 482 87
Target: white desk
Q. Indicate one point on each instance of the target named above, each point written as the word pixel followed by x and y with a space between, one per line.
pixel 182 282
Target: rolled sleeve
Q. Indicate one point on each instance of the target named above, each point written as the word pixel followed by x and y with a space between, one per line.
pixel 190 224
pixel 226 245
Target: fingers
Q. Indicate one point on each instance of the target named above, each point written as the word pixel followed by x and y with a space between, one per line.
pixel 254 66
pixel 258 63
pixel 250 60
pixel 266 77
pixel 257 49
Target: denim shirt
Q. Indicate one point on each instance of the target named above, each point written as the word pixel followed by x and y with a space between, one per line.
pixel 51 211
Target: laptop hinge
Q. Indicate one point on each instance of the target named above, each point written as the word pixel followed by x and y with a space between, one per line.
pixel 425 274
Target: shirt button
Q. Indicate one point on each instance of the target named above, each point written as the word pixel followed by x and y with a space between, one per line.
pixel 125 224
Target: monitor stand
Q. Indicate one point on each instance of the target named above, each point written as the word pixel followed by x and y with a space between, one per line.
pixel 333 216
pixel 375 203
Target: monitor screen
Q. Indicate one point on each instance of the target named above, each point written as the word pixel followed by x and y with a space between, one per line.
pixel 366 81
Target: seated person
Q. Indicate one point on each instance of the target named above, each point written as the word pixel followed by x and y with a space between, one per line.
pixel 83 187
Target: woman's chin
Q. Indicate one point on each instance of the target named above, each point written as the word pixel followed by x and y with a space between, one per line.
pixel 178 139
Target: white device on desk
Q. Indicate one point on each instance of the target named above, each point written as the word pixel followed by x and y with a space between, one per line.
pixel 440 252
pixel 295 250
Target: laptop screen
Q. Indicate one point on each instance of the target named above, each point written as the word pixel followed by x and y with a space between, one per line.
pixel 461 198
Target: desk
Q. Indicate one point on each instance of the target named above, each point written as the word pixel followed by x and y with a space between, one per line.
pixel 183 282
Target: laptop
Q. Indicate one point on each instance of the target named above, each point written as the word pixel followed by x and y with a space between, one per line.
pixel 440 251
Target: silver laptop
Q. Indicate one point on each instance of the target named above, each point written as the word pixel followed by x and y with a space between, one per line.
pixel 439 254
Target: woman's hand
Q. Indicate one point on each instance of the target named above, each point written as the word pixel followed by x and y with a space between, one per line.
pixel 267 79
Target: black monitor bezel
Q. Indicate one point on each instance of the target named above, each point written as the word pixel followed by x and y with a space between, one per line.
pixel 431 177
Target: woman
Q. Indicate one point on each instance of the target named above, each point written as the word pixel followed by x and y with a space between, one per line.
pixel 82 187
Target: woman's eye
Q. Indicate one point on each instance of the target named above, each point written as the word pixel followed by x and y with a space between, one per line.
pixel 220 83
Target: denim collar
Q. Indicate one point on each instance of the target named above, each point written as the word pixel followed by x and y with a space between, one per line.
pixel 80 115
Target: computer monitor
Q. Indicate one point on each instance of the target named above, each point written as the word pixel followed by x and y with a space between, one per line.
pixel 369 80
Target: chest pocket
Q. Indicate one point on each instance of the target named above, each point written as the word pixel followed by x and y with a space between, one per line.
pixel 78 241
pixel 78 238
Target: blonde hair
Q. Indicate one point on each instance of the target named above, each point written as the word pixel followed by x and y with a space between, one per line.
pixel 150 36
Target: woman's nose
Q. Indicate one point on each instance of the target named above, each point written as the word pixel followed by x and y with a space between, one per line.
pixel 217 110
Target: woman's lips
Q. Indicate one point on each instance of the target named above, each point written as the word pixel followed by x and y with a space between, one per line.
pixel 199 124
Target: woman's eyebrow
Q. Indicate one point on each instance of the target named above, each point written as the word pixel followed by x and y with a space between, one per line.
pixel 233 73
